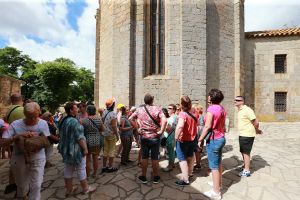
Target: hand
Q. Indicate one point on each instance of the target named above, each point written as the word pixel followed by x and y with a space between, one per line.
pixel 199 144
pixel 28 134
pixel 85 152
pixel 259 132
pixel 159 132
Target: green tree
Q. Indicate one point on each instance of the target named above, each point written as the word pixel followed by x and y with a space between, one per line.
pixel 83 86
pixel 52 87
pixel 12 60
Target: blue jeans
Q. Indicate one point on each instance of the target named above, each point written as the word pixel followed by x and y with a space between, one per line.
pixel 214 152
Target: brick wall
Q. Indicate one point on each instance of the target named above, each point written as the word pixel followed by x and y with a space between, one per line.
pixel 8 86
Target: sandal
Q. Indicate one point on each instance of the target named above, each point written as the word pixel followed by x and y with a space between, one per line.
pixel 197 167
pixel 67 194
pixel 90 190
pixel 113 169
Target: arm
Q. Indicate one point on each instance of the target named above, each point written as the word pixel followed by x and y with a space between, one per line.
pixel 83 146
pixel 207 127
pixel 256 126
pixel 179 128
pixel 163 125
pixel 122 128
pixel 114 128
pixel 101 127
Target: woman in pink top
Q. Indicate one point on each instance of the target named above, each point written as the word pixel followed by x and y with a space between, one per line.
pixel 215 121
pixel 186 140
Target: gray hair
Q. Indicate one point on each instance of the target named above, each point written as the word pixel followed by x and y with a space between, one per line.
pixel 91 110
pixel 31 107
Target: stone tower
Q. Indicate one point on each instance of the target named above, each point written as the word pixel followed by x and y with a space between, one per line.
pixel 169 48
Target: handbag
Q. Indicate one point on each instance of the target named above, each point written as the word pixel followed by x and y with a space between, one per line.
pixel 163 141
pixel 29 146
pixel 209 135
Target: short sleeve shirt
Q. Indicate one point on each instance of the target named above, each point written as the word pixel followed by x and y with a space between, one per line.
pixel 17 113
pixel 189 131
pixel 218 123
pixel 19 127
pixel 148 128
pixel 109 116
pixel 245 126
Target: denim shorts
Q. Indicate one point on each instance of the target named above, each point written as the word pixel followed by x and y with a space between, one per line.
pixel 185 149
pixel 150 145
pixel 214 152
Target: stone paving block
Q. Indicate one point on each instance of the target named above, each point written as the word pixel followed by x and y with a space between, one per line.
pixel 255 192
pixel 172 193
pixel 153 194
pixel 127 184
pixel 109 190
pixel 47 193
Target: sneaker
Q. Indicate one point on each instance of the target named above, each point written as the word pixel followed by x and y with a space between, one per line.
pixel 156 179
pixel 244 173
pixel 143 179
pixel 240 169
pixel 212 195
pixel 111 170
pixel 181 183
pixel 104 169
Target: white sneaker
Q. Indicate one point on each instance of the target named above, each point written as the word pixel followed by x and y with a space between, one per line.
pixel 212 195
pixel 212 184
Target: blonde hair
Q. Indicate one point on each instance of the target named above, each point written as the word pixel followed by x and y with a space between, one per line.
pixel 198 106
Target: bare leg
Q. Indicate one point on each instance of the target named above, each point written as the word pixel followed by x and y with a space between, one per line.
pixel 216 180
pixel 155 167
pixel 95 163
pixel 88 165
pixel 110 161
pixel 184 170
pixel 69 185
pixel 144 166
pixel 84 184
pixel 104 161
pixel 190 164
pixel 246 158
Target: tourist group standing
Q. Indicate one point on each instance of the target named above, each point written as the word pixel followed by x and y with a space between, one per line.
pixel 28 137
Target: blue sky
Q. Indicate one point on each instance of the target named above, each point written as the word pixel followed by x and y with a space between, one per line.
pixel 48 29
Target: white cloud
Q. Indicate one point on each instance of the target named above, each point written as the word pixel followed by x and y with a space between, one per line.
pixel 271 14
pixel 47 20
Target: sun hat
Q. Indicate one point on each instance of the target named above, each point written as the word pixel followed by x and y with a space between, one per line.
pixel 119 106
pixel 109 102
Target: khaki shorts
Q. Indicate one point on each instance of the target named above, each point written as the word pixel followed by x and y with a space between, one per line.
pixel 109 146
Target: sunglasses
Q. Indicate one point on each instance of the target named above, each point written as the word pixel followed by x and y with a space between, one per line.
pixel 170 108
pixel 238 100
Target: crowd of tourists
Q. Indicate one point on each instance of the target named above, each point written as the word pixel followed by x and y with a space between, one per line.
pixel 29 135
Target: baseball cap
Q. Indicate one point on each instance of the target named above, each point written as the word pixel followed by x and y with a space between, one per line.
pixel 120 105
pixel 109 102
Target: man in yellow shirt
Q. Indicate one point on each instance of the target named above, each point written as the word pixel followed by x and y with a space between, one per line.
pixel 248 128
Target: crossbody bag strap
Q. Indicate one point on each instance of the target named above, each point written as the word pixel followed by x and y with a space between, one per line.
pixel 192 117
pixel 155 122
pixel 94 124
pixel 106 116
pixel 7 118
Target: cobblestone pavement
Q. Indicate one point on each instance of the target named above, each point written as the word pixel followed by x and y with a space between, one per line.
pixel 275 173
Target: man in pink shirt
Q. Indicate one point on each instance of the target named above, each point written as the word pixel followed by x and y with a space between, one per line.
pixel 152 123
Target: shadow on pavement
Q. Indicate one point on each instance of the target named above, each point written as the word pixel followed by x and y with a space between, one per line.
pixel 233 164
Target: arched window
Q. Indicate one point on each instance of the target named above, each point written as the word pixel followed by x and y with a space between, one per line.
pixel 154 37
